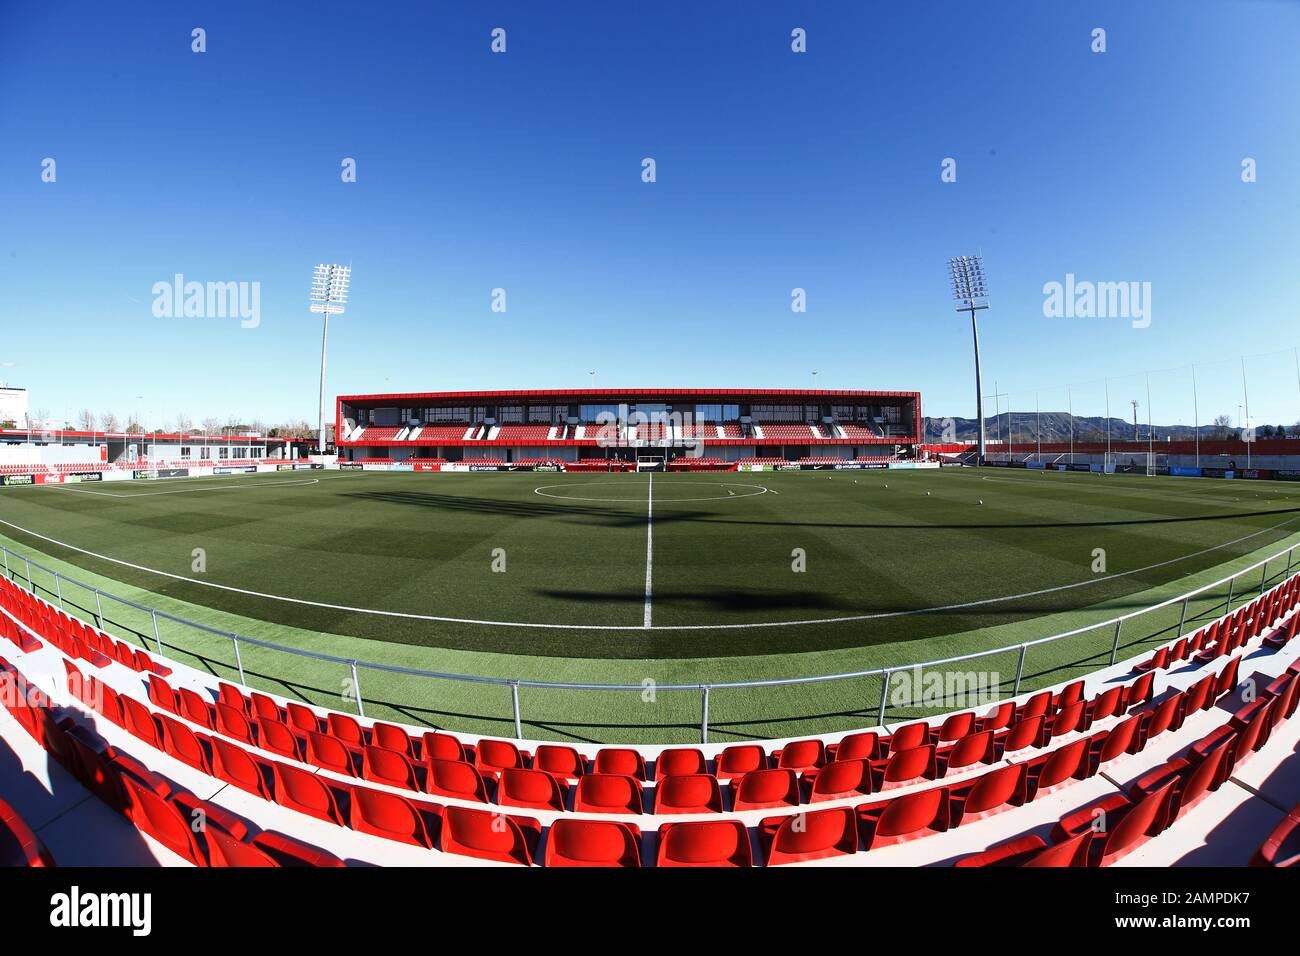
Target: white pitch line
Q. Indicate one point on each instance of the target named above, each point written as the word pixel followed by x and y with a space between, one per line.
pixel 649 545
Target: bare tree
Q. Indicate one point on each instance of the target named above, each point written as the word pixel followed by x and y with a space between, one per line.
pixel 1221 426
pixel 133 426
pixel 211 425
pixel 86 420
pixel 183 423
pixel 109 422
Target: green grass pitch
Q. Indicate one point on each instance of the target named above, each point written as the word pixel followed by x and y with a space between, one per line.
pixel 554 577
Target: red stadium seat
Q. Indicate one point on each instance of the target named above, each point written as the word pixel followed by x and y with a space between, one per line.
pixel 800 755
pixel 328 753
pixel 622 761
pixel 436 746
pixel 196 710
pixel 1282 846
pixel 905 817
pixel 840 779
pixel 607 793
pixel 225 850
pixel 279 739
pixel 489 836
pixel 563 762
pixel 391 737
pixel 739 760
pixel 710 843
pixel 497 755
pixel 159 818
pixel 909 736
pixel 973 749
pixel 301 717
pixel 906 766
pixel 306 793
pixel 1063 764
pixel 183 744
pixel 286 851
pixel 451 778
pixel 765 789
pixel 688 793
pixel 345 728
pixel 388 766
pixel 264 708
pixel 237 767
pixel 860 746
pixel 1032 851
pixel 814 835
pixel 232 723
pixel 671 762
pixel 573 842
pixel 995 790
pixel 388 815
pixel 531 789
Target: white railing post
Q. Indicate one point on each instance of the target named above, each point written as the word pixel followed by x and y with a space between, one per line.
pixel 356 689
pixel 1182 618
pixel 1114 648
pixel 99 612
pixel 514 706
pixel 157 637
pixel 1020 669
pixel 239 660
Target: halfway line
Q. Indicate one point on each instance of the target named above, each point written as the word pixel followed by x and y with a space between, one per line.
pixel 649 545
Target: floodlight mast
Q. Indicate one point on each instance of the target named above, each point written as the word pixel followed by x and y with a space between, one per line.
pixel 971 294
pixel 329 296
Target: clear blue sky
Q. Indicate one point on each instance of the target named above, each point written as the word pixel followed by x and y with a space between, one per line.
pixel 522 171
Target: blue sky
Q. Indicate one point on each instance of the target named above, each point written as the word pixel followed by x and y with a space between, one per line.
pixel 522 171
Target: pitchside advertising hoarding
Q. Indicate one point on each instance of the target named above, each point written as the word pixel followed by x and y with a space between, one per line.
pixel 17 479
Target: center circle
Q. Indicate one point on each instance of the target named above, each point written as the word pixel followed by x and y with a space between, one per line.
pixel 638 493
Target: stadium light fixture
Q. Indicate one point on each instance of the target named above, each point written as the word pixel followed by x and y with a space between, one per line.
pixel 971 294
pixel 329 296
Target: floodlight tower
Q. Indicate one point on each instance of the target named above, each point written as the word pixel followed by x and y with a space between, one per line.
pixel 329 296
pixel 971 294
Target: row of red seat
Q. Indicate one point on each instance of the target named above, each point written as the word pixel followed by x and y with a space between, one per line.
pixel 74 637
pixel 1154 801
pixel 1227 634
pixel 154 804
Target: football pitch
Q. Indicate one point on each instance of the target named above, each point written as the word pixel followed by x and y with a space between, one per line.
pixel 623 578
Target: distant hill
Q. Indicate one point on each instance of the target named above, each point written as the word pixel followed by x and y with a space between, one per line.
pixel 1055 427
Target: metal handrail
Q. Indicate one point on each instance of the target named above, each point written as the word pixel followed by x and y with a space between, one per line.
pixel 703 688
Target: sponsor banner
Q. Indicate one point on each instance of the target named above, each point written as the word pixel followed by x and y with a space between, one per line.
pixel 1286 474
pixel 1035 464
pixel 549 467
pixel 401 466
pixel 228 470
pixel 306 465
pixel 349 466
pixel 997 463
pixel 426 467
pixel 487 468
pixel 1183 471
pixel 77 476
pixel 18 479
pixel 1260 473
pixel 952 464
pixel 285 467
pixel 1217 473
pixel 908 465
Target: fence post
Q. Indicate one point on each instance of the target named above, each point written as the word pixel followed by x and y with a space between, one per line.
pixel 1289 555
pixel 58 588
pixel 514 704
pixel 1114 648
pixel 1020 669
pixel 99 612
pixel 356 689
pixel 704 713
pixel 157 638
pixel 8 575
pixel 1182 618
pixel 884 695
pixel 30 583
pixel 239 660
pixel 1263 577
pixel 1231 581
